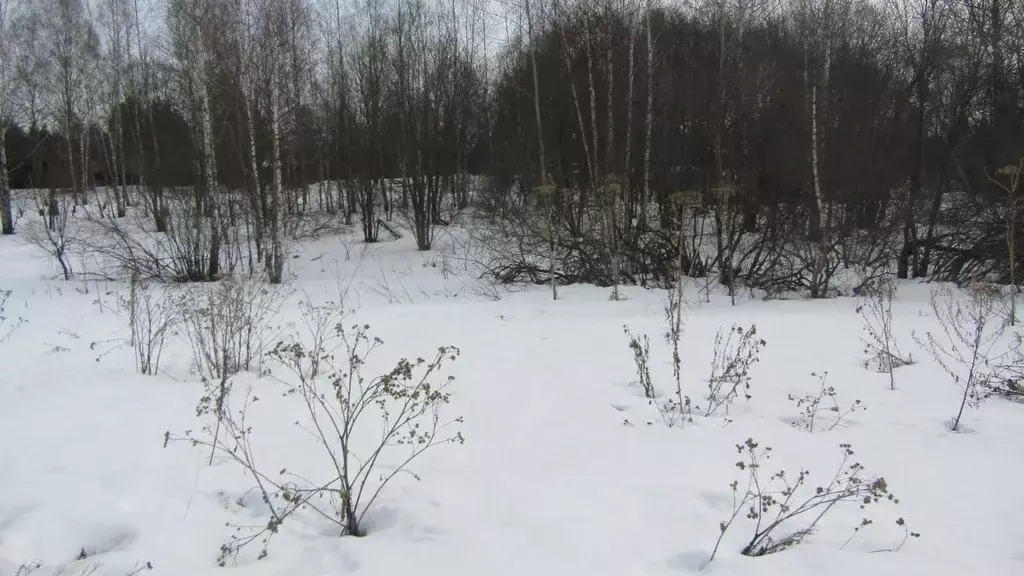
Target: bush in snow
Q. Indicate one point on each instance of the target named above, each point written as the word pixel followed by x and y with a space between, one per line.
pixel 879 343
pixel 326 375
pixel 228 324
pixel 679 408
pixel 640 345
pixel 53 231
pixel 151 315
pixel 966 347
pixel 822 407
pixel 7 326
pixel 1009 379
pixel 182 251
pixel 784 509
pixel 734 354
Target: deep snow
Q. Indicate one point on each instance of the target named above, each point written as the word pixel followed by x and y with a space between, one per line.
pixel 566 468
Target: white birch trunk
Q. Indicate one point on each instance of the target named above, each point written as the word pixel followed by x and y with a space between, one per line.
pixel 576 104
pixel 649 120
pixel 593 103
pixel 6 214
pixel 629 103
pixel 276 254
pixel 814 156
pixel 209 168
pixel 536 95
pixel 610 168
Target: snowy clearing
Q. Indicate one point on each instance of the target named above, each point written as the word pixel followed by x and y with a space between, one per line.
pixel 566 468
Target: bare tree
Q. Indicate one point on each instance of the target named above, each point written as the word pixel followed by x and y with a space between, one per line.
pixel 6 213
pixel 536 93
pixel 967 347
pixel 274 24
pixel 117 14
pixel 1012 175
pixel 191 29
pixel 71 45
pixel 54 231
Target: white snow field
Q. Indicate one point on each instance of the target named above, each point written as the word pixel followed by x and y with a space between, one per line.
pixel 566 469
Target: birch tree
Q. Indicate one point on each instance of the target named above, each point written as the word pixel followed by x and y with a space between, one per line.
pixel 70 44
pixel 6 212
pixel 189 22
pixel 648 116
pixel 116 16
pixel 274 24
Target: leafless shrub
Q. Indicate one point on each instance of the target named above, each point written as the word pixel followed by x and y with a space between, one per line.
pixel 734 354
pixel 782 264
pixel 679 408
pixel 341 401
pixel 521 244
pixel 311 225
pixel 392 287
pixel 439 260
pixel 228 324
pixel 822 407
pixel 819 261
pixel 640 345
pixel 966 348
pixel 785 510
pixel 181 254
pixel 54 231
pixel 151 315
pixel 7 326
pixel 486 289
pixel 879 343
pixel 229 327
pixel 1008 380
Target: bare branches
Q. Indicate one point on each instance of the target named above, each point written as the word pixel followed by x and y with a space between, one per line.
pixel 966 347
pixel 784 510
pixel 325 366
pixel 7 326
pixel 229 325
pixel 879 342
pixel 152 315
pixel 822 407
pixel 641 348
pixel 55 232
pixel 735 352
pixel 1012 174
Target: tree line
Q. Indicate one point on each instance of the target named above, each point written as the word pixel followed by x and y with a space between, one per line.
pixel 767 143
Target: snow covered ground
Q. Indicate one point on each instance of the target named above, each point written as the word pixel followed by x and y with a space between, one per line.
pixel 566 468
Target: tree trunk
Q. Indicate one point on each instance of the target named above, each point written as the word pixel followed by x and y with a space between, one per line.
pixel 275 256
pixel 649 120
pixel 628 191
pixel 595 181
pixel 259 218
pixel 536 96
pixel 6 214
pixel 208 164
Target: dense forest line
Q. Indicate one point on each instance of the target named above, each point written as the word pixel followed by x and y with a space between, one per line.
pixel 765 143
